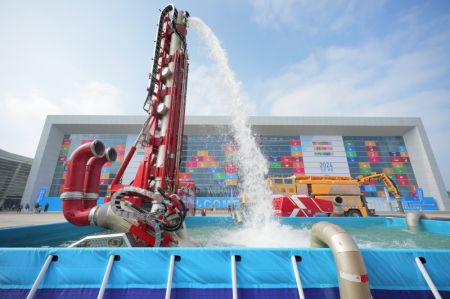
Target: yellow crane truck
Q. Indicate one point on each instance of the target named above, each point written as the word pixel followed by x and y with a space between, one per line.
pixel 387 182
pixel 342 189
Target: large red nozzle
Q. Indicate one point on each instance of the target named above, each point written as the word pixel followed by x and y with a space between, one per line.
pixel 73 206
pixel 93 172
pixel 76 165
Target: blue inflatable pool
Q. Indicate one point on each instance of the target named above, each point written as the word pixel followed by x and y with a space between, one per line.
pixel 207 272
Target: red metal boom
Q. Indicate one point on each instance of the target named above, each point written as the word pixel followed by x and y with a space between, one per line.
pixel 147 207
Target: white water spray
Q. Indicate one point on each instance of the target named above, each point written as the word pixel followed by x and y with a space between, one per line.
pixel 251 163
pixel 260 229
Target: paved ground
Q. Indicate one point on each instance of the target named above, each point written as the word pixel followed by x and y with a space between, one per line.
pixel 12 219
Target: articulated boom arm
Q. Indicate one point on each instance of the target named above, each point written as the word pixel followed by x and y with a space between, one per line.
pixel 148 208
pixel 387 182
pixel 162 135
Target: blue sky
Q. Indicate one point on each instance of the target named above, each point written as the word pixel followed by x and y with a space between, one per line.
pixel 305 58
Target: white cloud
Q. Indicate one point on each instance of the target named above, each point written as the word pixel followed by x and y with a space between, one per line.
pixel 312 17
pixel 373 79
pixel 22 116
pixel 357 81
pixel 96 97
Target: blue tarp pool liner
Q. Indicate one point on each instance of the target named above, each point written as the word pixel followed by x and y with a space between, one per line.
pixel 35 235
pixel 52 234
pixel 206 272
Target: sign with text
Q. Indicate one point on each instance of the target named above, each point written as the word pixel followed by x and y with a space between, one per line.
pixel 324 155
pixel 217 202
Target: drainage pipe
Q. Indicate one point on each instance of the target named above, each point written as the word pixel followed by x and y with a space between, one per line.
pixel 352 274
pixel 413 220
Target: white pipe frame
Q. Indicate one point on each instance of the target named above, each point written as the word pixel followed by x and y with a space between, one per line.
pixel 427 278
pixel 297 277
pixel 170 277
pixel 40 276
pixel 233 277
pixel 106 276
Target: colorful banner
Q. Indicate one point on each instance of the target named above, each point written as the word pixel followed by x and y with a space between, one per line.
pixel 210 161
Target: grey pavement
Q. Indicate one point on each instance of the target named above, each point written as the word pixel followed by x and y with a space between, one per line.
pixel 13 219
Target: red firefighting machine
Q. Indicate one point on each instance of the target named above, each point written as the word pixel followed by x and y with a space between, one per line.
pixel 148 210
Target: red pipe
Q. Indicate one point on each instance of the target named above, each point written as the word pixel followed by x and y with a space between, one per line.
pixel 94 169
pixel 72 197
pixel 79 209
pixel 124 165
pixel 75 213
pixel 76 165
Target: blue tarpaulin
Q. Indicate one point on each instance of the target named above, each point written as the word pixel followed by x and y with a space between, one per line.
pixel 206 272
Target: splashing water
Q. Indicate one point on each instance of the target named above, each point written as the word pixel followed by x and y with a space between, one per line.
pixel 259 229
pixel 251 163
pixel 275 235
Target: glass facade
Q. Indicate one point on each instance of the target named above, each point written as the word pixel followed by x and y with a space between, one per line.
pixel 382 155
pixel 210 161
pixel 14 171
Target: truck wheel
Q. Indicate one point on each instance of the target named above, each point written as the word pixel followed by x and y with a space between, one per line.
pixel 354 213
